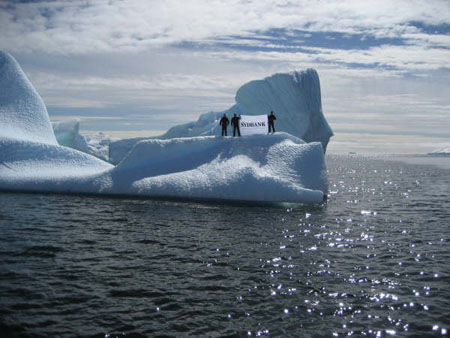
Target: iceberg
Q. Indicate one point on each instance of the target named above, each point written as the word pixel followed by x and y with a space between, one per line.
pixel 96 144
pixel 67 134
pixel 295 99
pixel 440 152
pixel 282 168
pixel 23 114
pixel 258 168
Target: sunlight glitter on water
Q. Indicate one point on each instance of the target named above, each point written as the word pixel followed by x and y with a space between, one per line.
pixel 370 262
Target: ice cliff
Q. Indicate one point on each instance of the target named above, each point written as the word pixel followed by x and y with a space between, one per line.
pixel 257 168
pixel 294 98
pixel 261 168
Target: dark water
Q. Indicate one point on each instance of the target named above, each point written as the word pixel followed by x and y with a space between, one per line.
pixel 373 261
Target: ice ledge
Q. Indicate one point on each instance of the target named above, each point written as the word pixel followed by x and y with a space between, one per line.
pixel 264 168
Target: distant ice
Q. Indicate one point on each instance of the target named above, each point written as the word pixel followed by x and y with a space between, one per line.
pixel 66 132
pixel 96 144
pixel 441 152
pixel 440 161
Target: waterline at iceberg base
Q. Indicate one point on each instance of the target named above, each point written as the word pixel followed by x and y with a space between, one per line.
pixel 262 168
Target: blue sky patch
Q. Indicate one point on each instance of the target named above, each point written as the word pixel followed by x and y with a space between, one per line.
pixel 432 29
pixel 283 40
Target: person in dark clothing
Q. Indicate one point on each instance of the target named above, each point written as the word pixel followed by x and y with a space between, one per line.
pixel 224 122
pixel 235 124
pixel 271 118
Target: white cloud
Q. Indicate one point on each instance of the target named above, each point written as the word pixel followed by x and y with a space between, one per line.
pixel 69 27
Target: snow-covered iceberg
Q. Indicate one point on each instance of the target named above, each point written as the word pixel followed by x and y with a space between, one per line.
pixel 276 168
pixel 23 114
pixel 262 168
pixel 295 99
pixel 95 144
pixel 440 152
pixel 30 156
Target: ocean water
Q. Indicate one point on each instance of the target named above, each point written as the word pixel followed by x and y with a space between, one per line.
pixel 372 261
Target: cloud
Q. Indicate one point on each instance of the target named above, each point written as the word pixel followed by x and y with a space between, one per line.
pixel 69 27
pixel 402 35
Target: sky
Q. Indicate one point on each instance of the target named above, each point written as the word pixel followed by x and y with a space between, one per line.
pixel 138 67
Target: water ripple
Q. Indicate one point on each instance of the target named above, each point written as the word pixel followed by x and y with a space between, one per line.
pixel 372 261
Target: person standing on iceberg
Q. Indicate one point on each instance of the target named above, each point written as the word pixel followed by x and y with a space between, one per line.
pixel 271 118
pixel 224 122
pixel 235 124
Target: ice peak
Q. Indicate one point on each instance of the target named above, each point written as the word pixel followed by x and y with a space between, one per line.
pixel 294 97
pixel 23 114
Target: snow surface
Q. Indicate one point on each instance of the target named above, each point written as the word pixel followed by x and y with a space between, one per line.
pixel 22 112
pixel 259 168
pixel 294 98
pixel 277 168
pixel 36 166
pixel 96 144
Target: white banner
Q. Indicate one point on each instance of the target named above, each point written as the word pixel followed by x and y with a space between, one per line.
pixel 253 124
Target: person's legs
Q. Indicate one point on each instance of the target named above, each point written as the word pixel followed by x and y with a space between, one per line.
pixel 271 127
